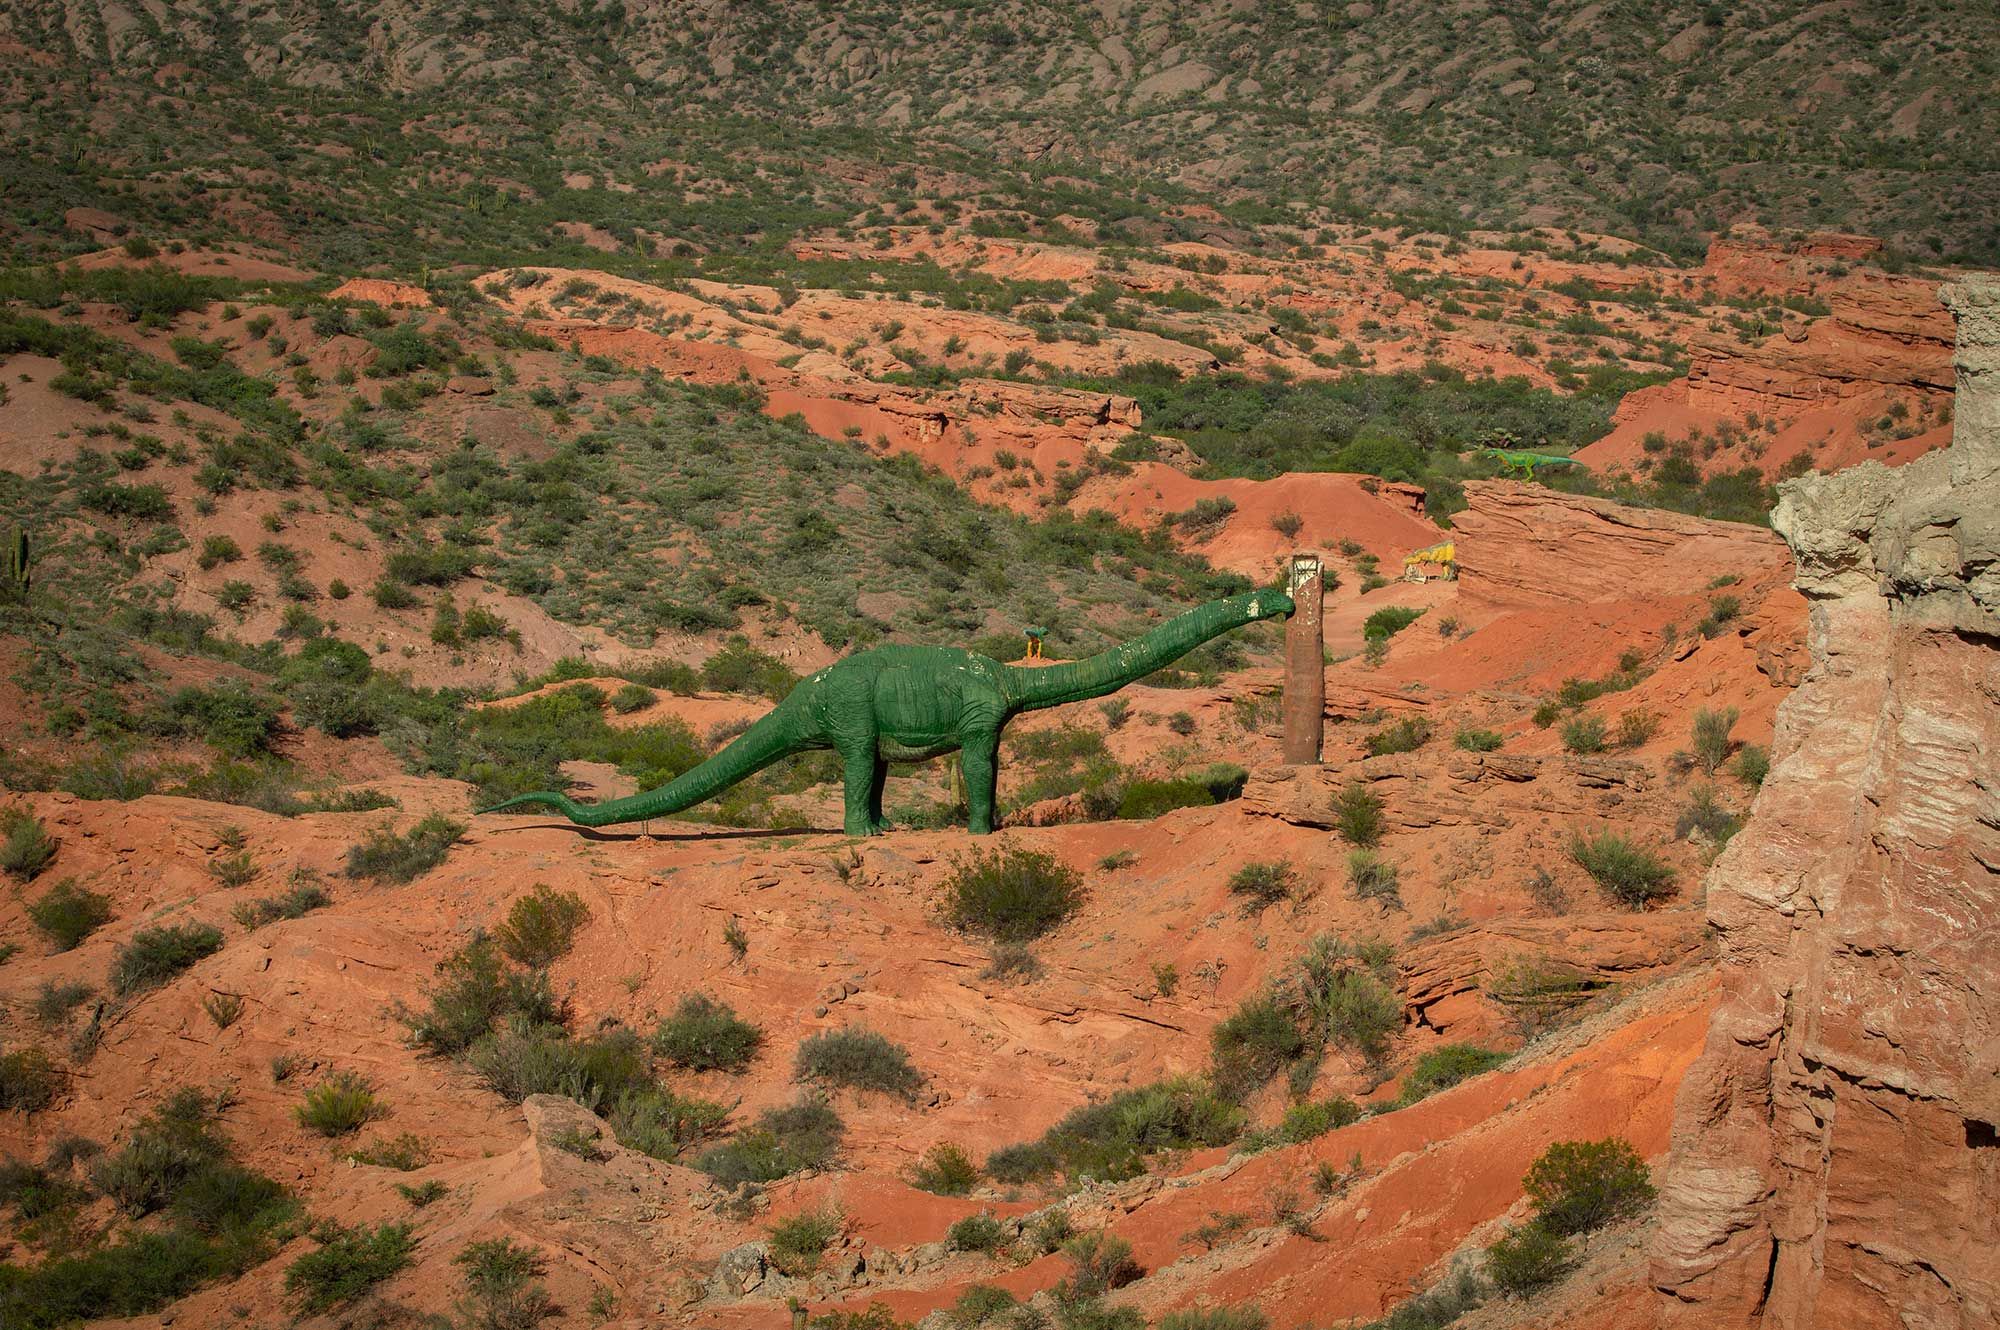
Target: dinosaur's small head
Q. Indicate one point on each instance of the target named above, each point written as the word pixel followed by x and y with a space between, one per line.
pixel 1268 603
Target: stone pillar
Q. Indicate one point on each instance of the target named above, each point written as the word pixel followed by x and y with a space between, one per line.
pixel 1305 663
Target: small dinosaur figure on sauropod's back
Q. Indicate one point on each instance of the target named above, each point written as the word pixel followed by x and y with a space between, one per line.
pixel 908 703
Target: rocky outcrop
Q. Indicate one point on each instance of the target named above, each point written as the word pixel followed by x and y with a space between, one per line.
pixel 1836 1154
pixel 1521 544
pixel 1880 333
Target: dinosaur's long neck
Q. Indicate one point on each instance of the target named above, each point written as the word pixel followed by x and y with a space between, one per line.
pixel 1108 671
pixel 772 737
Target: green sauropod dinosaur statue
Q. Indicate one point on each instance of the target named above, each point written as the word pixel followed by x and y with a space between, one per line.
pixel 1510 458
pixel 908 703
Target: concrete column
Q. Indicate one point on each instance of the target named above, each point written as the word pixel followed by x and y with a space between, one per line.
pixel 1305 663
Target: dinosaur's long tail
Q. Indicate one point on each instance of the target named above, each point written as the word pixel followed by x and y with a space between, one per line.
pixel 758 747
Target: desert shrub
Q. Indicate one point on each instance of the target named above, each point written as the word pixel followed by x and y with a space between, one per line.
pixel 1263 884
pixel 1438 1307
pixel 388 857
pixel 1352 1005
pixel 1546 713
pixel 977 1233
pixel 1626 871
pixel 67 914
pixel 1584 734
pixel 657 1122
pixel 1357 815
pixel 858 1059
pixel 1539 994
pixel 170 1145
pixel 706 1035
pixel 1722 611
pixel 422 1194
pixel 1149 798
pixel 224 1009
pixel 25 844
pixel 524 1058
pixel 797 1243
pixel 231 871
pixel 1012 895
pixel 1527 1258
pixel 404 1153
pixel 1388 621
pixel 1577 1186
pixel 782 1142
pixel 1011 962
pixel 1404 736
pixel 980 1304
pixel 344 1102
pixel 472 990
pixel 1476 741
pixel 390 594
pixel 630 698
pixel 303 897
pixel 348 1262
pixel 541 926
pixel 945 1170
pixel 155 955
pixel 1711 742
pixel 1704 813
pixel 500 1288
pixel 1248 1047
pixel 1753 764
pixel 56 999
pixel 1111 1139
pixel 30 1080
pixel 1215 1318
pixel 1304 1122
pixel 1373 878
pixel 1099 1263
pixel 1635 729
pixel 1442 1068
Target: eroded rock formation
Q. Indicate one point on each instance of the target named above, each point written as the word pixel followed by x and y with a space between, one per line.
pixel 1835 1153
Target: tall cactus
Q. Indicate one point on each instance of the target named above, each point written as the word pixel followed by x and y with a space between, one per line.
pixel 18 559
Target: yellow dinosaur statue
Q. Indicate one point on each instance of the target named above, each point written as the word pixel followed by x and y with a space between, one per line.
pixel 1443 556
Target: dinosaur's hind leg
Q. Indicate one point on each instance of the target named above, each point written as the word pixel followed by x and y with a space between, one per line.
pixel 876 822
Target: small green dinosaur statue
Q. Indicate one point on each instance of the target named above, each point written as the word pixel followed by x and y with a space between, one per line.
pixel 1510 458
pixel 908 703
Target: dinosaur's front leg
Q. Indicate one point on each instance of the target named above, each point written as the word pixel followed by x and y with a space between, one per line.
pixel 858 776
pixel 979 760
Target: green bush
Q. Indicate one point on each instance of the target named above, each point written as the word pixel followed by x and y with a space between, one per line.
pixel 25 844
pixel 1373 878
pixel 1385 623
pixel 525 1059
pixel 1304 1122
pixel 542 926
pixel 388 857
pixel 1110 1140
pixel 344 1102
pixel 665 1125
pixel 1145 799
pixel 303 897
pixel 1263 884
pixel 30 1080
pixel 858 1059
pixel 499 1285
pixel 472 990
pixel 1627 872
pixel 784 1141
pixel 1249 1047
pixel 980 1233
pixel 348 1263
pixel 1357 815
pixel 1584 734
pixel 1578 1186
pixel 1442 1068
pixel 945 1170
pixel 1477 741
pixel 1711 741
pixel 1526 1259
pixel 981 1304
pixel 1705 813
pixel 630 698
pixel 798 1242
pixel 1099 1263
pixel 1011 895
pixel 1215 1318
pixel 1753 764
pixel 155 955
pixel 706 1035
pixel 67 914
pixel 56 999
pixel 1404 736
pixel 404 1153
